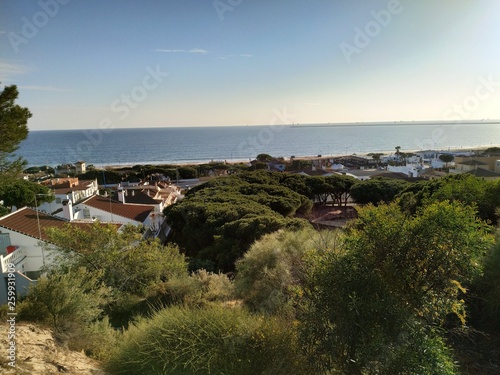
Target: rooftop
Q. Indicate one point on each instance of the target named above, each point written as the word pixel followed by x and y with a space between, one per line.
pixel 25 221
pixel 136 197
pixel 470 162
pixel 137 212
pixel 480 172
pixel 67 185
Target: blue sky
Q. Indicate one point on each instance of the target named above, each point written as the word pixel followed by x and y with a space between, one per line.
pixel 81 63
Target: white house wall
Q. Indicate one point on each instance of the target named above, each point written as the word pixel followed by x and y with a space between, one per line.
pixel 105 216
pixel 35 255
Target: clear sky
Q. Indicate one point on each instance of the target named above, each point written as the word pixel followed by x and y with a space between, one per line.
pixel 90 63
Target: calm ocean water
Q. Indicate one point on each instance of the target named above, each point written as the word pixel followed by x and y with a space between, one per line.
pixel 232 143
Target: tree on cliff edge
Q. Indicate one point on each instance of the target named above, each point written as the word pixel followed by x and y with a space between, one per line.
pixel 13 129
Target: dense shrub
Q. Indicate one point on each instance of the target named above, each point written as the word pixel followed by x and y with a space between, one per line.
pixel 199 289
pixel 97 340
pixel 360 307
pixel 207 341
pixel 486 302
pixel 218 221
pixel 66 300
pixel 272 272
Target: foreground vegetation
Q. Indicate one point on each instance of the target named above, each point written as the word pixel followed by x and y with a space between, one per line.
pixel 396 292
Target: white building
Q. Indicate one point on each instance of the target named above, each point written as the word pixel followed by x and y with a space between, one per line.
pixel 116 211
pixel 80 167
pixel 411 170
pixel 22 235
pixel 68 188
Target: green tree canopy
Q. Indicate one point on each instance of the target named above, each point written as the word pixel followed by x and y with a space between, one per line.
pixel 219 220
pixel 271 274
pixel 19 193
pixel 481 194
pixel 377 190
pixel 398 276
pixel 264 157
pixel 13 129
pixel 123 260
pixel 446 158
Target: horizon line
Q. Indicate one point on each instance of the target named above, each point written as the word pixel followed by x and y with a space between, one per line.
pixel 303 125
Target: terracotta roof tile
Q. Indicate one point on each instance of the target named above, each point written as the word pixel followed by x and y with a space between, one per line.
pixel 25 221
pixel 137 212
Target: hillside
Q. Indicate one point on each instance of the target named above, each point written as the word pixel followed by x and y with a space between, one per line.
pixel 39 353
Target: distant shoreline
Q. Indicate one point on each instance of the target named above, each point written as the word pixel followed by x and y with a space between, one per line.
pixel 393 123
pixel 297 157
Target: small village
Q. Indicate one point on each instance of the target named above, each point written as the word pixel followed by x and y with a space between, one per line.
pixel 140 203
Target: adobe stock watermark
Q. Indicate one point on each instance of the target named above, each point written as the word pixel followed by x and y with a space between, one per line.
pixel 32 25
pixel 122 107
pixel 372 29
pixel 459 112
pixel 254 145
pixel 223 6
pixel 11 315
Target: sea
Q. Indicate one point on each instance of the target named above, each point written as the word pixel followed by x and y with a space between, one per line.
pixel 184 145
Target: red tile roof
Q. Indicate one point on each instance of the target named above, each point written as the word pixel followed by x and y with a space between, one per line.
pixel 25 221
pixel 137 212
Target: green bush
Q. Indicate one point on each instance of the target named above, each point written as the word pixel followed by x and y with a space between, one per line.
pixel 421 350
pixel 271 274
pixel 207 341
pixel 66 300
pixel 98 340
pixel 214 286
pixel 199 288
pixel 487 290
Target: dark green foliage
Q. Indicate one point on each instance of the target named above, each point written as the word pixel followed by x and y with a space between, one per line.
pixel 219 220
pixel 32 170
pixel 363 306
pixel 264 157
pixel 297 165
pixel 492 151
pixel 350 317
pixel 420 350
pixel 187 172
pixel 13 129
pixel 425 258
pixel 3 210
pixel 179 341
pixel 272 273
pixel 446 158
pixel 75 297
pixel 123 260
pixel 297 183
pixel 377 190
pixel 112 177
pixel 260 177
pixel 43 168
pixel 20 193
pixel 335 188
pixel 486 304
pixel 482 194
